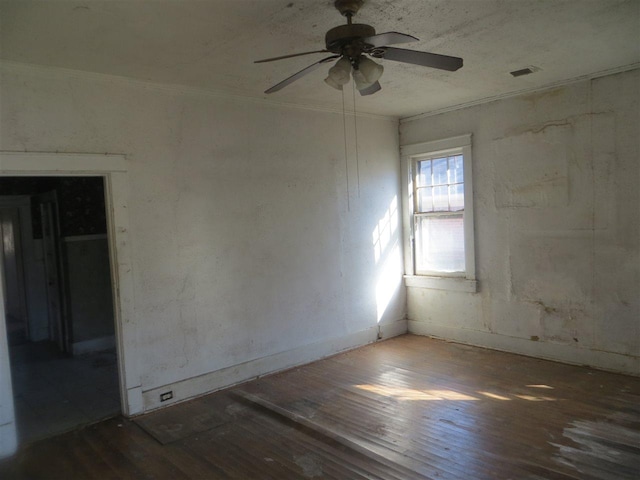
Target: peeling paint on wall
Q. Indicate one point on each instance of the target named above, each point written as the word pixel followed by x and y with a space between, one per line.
pixel 557 224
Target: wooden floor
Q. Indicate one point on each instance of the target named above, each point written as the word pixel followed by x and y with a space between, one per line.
pixel 410 407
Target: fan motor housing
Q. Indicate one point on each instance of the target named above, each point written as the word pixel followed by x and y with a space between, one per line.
pixel 339 37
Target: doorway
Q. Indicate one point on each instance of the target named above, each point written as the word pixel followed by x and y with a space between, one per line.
pixel 58 308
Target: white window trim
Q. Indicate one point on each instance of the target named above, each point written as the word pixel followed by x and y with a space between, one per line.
pixel 465 282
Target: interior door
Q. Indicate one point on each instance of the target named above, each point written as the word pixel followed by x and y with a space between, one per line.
pixel 59 326
pixel 15 300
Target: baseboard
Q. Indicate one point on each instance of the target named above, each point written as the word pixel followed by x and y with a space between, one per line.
pixel 613 362
pixel 93 345
pixel 393 329
pixel 226 377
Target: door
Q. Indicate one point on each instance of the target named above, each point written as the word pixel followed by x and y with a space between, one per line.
pixel 59 327
pixel 15 301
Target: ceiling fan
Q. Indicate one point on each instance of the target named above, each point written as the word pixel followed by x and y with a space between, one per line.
pixel 351 43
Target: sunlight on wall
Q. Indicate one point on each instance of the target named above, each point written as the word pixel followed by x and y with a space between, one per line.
pixel 386 230
pixel 386 248
pixel 389 279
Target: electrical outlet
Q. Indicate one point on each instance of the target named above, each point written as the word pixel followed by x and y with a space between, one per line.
pixel 166 396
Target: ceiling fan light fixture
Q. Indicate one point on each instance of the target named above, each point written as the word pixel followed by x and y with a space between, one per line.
pixel 371 89
pixel 364 86
pixel 371 70
pixel 360 80
pixel 339 74
pixel 332 83
pixel 352 43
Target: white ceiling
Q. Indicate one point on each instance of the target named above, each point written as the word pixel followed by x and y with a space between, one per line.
pixel 211 44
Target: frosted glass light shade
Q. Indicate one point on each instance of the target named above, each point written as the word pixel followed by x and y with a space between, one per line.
pixel 332 83
pixel 339 74
pixel 370 69
pixel 362 84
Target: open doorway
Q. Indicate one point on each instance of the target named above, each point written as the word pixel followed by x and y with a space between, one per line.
pixel 58 303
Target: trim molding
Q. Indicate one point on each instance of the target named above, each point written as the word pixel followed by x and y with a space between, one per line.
pixel 457 284
pixel 114 170
pixel 226 377
pixel 614 362
pixel 13 66
pixel 30 68
pixel 524 91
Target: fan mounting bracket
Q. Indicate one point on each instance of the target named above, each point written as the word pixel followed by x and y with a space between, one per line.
pixel 348 37
pixel 348 8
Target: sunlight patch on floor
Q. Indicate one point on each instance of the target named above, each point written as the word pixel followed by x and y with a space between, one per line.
pixel 403 393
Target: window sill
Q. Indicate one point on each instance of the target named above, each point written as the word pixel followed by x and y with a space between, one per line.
pixel 442 283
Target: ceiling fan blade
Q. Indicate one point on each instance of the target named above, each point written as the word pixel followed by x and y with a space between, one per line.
pixel 389 38
pixel 300 74
pixel 371 89
pixel 289 56
pixel 425 59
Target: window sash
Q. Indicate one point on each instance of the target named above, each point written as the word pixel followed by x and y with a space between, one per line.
pixel 439 251
pixel 411 154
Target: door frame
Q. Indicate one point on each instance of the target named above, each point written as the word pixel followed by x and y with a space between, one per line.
pixel 113 168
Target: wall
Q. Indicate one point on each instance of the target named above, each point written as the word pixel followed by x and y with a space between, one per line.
pixel 248 254
pixel 557 223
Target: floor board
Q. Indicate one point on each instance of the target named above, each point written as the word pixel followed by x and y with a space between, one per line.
pixel 410 407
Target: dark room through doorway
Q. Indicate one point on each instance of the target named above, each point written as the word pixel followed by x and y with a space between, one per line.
pixel 58 303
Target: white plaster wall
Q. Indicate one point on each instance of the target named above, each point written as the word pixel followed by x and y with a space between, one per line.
pixel 244 245
pixel 557 218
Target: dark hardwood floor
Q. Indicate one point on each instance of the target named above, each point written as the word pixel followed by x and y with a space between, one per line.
pixel 410 407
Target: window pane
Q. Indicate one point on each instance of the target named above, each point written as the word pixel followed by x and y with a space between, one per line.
pixel 440 244
pixel 424 173
pixel 425 199
pixel 456 169
pixel 456 197
pixel 439 171
pixel 440 199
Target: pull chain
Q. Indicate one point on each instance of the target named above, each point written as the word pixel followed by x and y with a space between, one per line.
pixel 355 129
pixel 346 154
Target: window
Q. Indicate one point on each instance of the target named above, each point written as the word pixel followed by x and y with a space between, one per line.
pixel 439 215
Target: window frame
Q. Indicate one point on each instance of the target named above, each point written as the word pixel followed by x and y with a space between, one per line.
pixel 410 155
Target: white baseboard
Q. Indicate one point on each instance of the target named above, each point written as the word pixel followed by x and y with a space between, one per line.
pixel 93 345
pixel 610 361
pixel 393 329
pixel 226 377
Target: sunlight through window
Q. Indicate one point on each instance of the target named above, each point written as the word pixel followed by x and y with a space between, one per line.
pixel 494 396
pixel 386 247
pixel 533 398
pixel 385 230
pixel 403 393
pixel 389 278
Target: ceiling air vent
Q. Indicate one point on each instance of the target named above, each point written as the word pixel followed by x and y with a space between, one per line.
pixel 524 71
